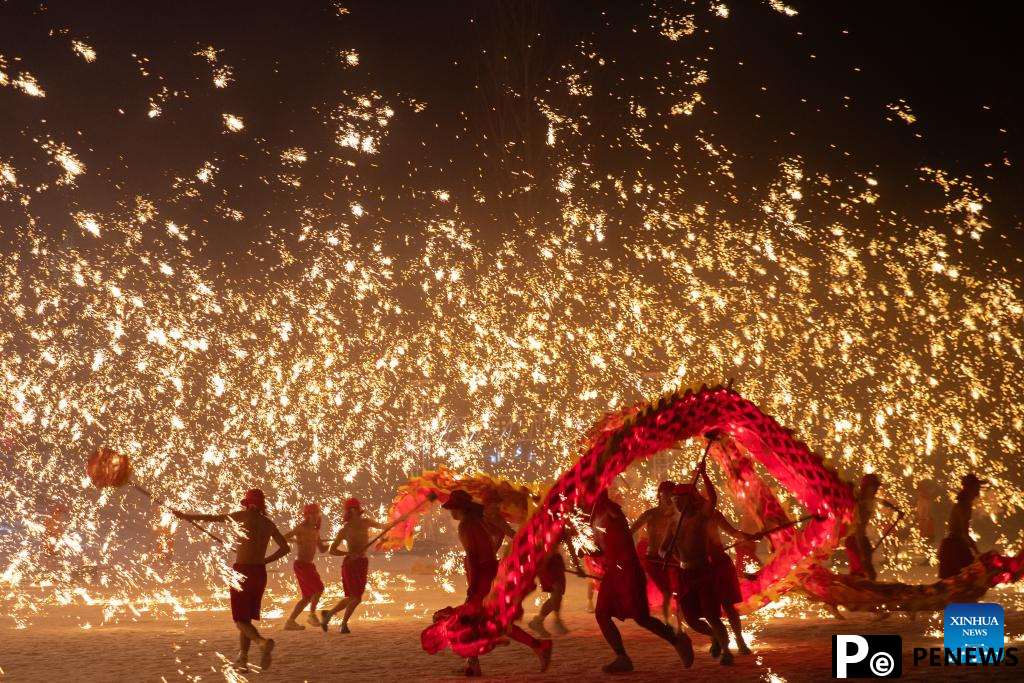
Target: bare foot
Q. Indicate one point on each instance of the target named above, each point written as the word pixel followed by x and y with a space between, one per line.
pixel 325 616
pixel 291 625
pixel 344 628
pixel 312 620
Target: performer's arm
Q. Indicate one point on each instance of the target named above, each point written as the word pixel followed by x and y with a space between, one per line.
pixel 291 534
pixel 196 517
pixel 322 545
pixel 282 545
pixel 636 526
pixel 337 541
pixel 503 526
pixel 726 526
pixel 708 486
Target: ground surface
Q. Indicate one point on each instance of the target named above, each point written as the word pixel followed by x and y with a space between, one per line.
pixel 385 647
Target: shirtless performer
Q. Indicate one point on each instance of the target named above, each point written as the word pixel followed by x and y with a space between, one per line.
pixel 727 581
pixel 858 546
pixel 481 564
pixel 657 521
pixel 693 580
pixel 311 587
pixel 497 526
pixel 356 565
pixel 251 562
pixel 551 575
pixel 623 593
pixel 958 549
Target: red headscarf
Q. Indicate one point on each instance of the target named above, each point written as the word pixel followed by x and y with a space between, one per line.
pixel 352 504
pixel 254 499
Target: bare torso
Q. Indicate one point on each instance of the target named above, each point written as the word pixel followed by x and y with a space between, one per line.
pixel 356 534
pixel 659 522
pixel 692 544
pixel 307 541
pixel 959 525
pixel 864 513
pixel 254 534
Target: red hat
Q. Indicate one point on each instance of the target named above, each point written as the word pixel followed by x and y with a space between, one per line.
pixel 666 487
pixel 254 498
pixel 460 500
pixel 352 503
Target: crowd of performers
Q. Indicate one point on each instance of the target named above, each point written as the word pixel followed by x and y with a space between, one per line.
pixel 956 551
pixel 680 551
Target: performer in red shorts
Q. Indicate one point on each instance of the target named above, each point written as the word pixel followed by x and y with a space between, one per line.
pixel 251 562
pixel 726 579
pixel 656 522
pixel 551 575
pixel 481 563
pixel 692 578
pixel 623 593
pixel 311 587
pixel 356 565
pixel 958 549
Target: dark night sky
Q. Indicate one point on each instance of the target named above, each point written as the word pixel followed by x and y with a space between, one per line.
pixel 948 62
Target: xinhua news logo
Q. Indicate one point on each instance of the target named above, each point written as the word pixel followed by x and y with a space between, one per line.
pixel 973 628
pixel 867 656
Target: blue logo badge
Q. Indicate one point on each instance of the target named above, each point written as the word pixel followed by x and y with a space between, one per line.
pixel 976 629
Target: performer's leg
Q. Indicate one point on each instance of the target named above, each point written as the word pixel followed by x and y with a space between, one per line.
pixel 611 633
pixel 555 601
pixel 243 648
pixel 666 604
pixel 658 628
pixel 326 614
pixel 314 601
pixel 680 641
pixel 473 667
pixel 719 633
pixel 249 633
pixel 520 636
pixel 622 663
pixel 737 628
pixel 349 609
pixel 342 604
pixel 541 648
pixel 299 606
